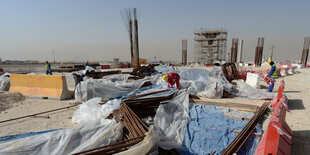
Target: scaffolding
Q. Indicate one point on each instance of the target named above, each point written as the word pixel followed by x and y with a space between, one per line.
pixel 210 45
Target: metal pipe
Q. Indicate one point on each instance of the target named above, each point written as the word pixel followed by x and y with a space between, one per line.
pixel 36 114
pixel 114 144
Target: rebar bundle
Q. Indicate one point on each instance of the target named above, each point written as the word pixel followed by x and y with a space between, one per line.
pixel 246 132
pixel 134 41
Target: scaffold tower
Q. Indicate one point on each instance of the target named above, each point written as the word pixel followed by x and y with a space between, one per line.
pixel 210 45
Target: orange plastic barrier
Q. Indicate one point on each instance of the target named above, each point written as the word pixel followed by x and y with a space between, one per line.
pixel 279 94
pixel 50 86
pixel 277 139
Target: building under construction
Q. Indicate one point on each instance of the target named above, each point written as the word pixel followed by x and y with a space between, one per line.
pixel 210 45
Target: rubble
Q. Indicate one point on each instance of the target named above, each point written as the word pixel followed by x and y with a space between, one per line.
pixel 8 99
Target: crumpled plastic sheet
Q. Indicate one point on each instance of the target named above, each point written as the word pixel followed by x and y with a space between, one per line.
pixel 245 90
pixel 164 69
pixel 209 130
pixel 115 78
pixel 165 93
pixel 205 83
pixel 5 82
pixel 91 110
pixel 171 120
pixel 211 84
pixel 87 136
pixel 87 69
pixel 91 88
pixel 24 135
pixel 147 146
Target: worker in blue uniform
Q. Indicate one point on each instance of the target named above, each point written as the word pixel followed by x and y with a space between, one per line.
pixel 273 74
pixel 48 68
pixel 86 64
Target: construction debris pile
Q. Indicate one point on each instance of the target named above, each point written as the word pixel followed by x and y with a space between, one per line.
pixel 7 99
pixel 137 113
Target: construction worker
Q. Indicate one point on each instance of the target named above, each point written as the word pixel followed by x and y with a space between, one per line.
pixel 86 63
pixel 273 74
pixel 172 78
pixel 48 68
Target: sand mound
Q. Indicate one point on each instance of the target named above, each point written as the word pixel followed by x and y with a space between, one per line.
pixel 8 99
pixel 264 67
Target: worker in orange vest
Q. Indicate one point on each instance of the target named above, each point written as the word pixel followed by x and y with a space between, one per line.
pixel 172 78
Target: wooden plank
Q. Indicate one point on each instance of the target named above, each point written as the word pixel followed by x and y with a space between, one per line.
pixel 236 117
pixel 227 104
pixel 253 134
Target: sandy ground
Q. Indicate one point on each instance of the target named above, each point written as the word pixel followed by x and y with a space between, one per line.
pixel 57 119
pixel 298 92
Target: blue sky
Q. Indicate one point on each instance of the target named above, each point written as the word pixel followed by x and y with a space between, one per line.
pixel 94 29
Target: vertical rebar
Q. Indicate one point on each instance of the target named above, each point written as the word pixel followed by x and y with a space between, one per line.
pixel 131 41
pixel 136 36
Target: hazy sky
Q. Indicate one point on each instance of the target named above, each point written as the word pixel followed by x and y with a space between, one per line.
pixel 94 29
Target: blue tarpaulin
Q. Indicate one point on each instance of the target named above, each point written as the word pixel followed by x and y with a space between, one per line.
pixel 209 130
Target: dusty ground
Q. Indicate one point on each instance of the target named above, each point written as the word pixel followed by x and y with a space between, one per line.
pixel 298 92
pixel 7 100
pixel 58 119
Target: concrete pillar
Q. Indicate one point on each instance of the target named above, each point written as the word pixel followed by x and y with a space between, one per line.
pixel 240 48
pixel 184 52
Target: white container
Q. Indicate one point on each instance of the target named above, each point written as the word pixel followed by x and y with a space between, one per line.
pixel 253 80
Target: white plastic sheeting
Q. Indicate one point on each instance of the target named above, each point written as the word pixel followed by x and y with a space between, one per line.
pixel 115 78
pixel 211 84
pixel 147 146
pixel 67 141
pixel 205 83
pixel 92 110
pixel 244 90
pixel 164 69
pixel 91 88
pixel 5 82
pixel 88 69
pixel 165 93
pixel 171 120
